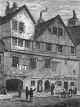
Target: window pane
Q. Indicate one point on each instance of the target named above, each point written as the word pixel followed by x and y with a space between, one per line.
pixel 0 59
pixel 72 83
pixel 72 50
pixel 47 63
pixel 32 63
pixel 20 42
pixel 21 27
pixel 32 83
pixel 59 83
pixel 37 45
pixel 54 30
pixel 60 31
pixel 14 24
pixel 15 61
pixel 59 47
pixel 27 43
pixel 48 46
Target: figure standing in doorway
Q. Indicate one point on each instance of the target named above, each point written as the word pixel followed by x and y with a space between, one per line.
pixel 52 89
pixel 27 93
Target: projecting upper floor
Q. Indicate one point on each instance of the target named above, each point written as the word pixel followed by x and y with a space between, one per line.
pixel 20 32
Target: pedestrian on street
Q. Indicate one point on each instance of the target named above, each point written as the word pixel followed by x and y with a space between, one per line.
pixel 31 94
pixel 52 89
pixel 27 93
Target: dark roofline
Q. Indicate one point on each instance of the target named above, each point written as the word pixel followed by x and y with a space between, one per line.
pixel 47 23
pixel 7 18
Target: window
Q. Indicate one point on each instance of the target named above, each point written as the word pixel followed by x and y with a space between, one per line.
pixel 47 63
pixel 38 45
pixel 59 47
pixel 72 83
pixel 21 27
pixel 20 42
pixel 60 31
pixel 14 25
pixel 72 50
pixel 14 41
pixel 32 63
pixel 54 30
pixel 15 61
pixel 32 83
pixel 27 43
pixel 59 83
pixel 0 59
pixel 48 46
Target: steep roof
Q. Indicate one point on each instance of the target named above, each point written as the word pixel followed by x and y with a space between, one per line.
pixel 41 27
pixel 75 34
pixel 7 18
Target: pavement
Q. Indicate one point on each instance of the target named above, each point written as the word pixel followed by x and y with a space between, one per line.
pixel 39 100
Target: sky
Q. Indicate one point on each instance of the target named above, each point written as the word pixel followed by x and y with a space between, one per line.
pixel 54 7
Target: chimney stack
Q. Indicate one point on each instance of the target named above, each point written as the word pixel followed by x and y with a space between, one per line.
pixel 9 9
pixel 41 13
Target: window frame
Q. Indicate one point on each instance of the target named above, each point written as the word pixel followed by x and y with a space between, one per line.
pixel 47 63
pixel 32 82
pixel 27 43
pixel 60 31
pixel 48 46
pixel 14 25
pixel 72 50
pixel 33 63
pixel 21 27
pixel 20 42
pixel 37 44
pixel 15 61
pixel 58 48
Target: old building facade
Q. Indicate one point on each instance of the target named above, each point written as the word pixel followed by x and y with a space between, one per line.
pixel 37 54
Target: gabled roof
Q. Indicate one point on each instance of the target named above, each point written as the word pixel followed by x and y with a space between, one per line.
pixel 41 27
pixel 7 18
pixel 75 34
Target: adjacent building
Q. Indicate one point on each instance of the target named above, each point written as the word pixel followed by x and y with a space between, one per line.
pixel 36 54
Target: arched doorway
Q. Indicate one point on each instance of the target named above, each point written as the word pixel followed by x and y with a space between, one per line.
pixel 47 85
pixel 12 84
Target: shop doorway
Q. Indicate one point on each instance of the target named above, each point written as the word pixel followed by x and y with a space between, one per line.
pixel 12 84
pixel 39 86
pixel 66 85
pixel 47 85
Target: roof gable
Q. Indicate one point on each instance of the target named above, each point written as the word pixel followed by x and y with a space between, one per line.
pixel 41 27
pixel 7 18
pixel 75 34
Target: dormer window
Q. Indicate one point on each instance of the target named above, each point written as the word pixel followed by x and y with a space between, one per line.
pixel 21 27
pixel 54 30
pixel 14 25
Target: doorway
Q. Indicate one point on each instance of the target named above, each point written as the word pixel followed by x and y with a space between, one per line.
pixel 47 85
pixel 12 84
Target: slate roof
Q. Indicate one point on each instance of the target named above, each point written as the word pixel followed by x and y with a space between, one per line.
pixel 7 18
pixel 41 27
pixel 75 34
